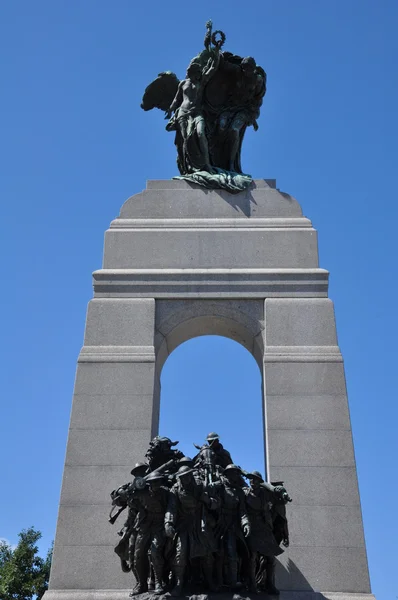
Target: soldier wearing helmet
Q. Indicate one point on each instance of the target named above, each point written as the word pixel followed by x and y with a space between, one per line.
pixel 233 526
pixel 221 456
pixel 161 451
pixel 124 497
pixel 185 520
pixel 152 501
pixel 185 461
pixel 263 546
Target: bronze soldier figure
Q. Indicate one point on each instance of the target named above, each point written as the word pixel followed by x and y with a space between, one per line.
pixel 232 524
pixel 185 461
pixel 194 518
pixel 279 519
pixel 259 497
pixel 161 451
pixel 218 456
pixel 125 497
pixel 280 498
pixel 153 501
pixel 185 521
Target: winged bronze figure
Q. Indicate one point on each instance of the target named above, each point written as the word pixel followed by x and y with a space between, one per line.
pixel 209 111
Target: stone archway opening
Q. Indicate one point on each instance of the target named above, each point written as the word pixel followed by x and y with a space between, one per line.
pixel 212 383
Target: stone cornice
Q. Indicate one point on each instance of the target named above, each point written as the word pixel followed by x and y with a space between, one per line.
pixel 211 283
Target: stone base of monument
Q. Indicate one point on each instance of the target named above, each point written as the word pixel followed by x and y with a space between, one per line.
pixel 124 595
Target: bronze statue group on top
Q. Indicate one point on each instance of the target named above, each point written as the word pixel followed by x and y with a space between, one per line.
pixel 195 523
pixel 209 111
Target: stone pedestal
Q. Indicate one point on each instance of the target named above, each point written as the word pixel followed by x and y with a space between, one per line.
pixel 179 262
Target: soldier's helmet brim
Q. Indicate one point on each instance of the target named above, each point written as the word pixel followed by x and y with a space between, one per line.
pixel 185 460
pixel 212 436
pixel 166 440
pixel 154 477
pixel 232 467
pixel 182 471
pixel 255 475
pixel 139 468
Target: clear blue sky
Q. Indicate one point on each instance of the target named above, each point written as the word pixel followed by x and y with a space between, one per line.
pixel 75 145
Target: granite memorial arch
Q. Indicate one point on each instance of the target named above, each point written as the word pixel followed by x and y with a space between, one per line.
pixel 211 251
pixel 180 261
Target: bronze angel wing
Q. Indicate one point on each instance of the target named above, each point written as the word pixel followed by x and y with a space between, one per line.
pixel 161 92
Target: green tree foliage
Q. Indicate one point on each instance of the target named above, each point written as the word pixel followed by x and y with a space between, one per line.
pixel 23 574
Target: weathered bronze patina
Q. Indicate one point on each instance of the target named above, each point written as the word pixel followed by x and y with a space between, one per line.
pixel 210 111
pixel 196 525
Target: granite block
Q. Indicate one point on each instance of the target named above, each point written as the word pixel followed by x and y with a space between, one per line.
pixel 182 202
pixel 323 568
pixel 306 448
pixel 87 525
pixel 305 379
pixel 110 411
pixel 210 248
pixel 93 484
pixel 208 283
pixel 336 526
pixel 300 322
pixel 120 322
pixel 102 447
pixel 172 313
pixel 319 485
pixel 210 325
pixel 181 184
pixel 120 379
pixel 307 412
pixel 88 567
pixel 180 320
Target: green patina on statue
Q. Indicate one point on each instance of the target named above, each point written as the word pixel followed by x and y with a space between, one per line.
pixel 195 525
pixel 209 111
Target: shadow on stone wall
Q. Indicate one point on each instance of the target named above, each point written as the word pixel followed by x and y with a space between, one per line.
pixel 289 577
pixel 246 203
pixel 293 584
pixel 240 202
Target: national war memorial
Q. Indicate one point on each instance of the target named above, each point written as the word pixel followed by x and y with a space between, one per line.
pixel 211 251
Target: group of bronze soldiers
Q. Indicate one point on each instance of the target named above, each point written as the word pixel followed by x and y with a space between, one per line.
pixel 195 521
